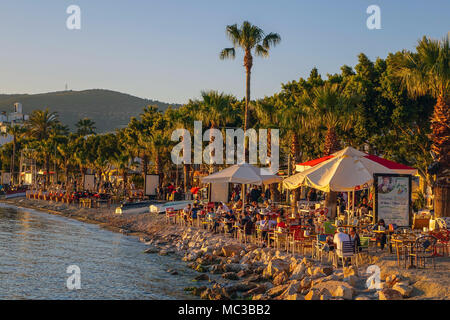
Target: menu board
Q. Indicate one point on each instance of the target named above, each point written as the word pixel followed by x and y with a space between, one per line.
pixel 219 192
pixel 393 198
pixel 151 184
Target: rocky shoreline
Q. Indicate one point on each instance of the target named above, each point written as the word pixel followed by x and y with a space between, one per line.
pixel 244 271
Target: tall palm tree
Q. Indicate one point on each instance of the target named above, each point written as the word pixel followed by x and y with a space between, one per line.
pixel 85 126
pixel 16 132
pixel 41 125
pixel 428 72
pixel 252 40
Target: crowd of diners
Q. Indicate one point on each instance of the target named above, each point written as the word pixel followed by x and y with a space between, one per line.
pixel 259 219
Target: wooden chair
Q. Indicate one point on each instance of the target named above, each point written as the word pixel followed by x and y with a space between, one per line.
pixel 424 248
pixel 347 251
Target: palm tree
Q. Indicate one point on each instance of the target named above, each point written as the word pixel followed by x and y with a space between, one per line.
pixel 329 107
pixel 216 110
pixel 16 132
pixel 249 38
pixel 427 72
pixel 85 126
pixel 41 123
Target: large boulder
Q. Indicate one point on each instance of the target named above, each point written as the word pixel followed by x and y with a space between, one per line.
pixel 275 266
pixel 389 294
pixel 313 295
pixel 298 272
pixel 280 278
pixel 276 291
pixel 232 250
pixel 344 292
pixel 404 290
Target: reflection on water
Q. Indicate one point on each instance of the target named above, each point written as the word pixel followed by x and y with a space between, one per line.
pixel 36 248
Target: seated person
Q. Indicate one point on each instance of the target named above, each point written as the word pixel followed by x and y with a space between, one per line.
pixel 354 236
pixel 272 222
pixel 339 238
pixel 187 212
pixel 229 219
pixel 281 224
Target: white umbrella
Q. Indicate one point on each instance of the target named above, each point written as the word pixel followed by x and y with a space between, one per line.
pixel 345 171
pixel 244 174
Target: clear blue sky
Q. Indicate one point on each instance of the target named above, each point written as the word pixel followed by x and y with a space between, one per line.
pixel 169 50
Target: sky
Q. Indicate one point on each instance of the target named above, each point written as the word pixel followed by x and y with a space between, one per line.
pixel 169 50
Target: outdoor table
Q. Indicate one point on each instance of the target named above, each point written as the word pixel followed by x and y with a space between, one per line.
pixel 388 234
pixel 407 243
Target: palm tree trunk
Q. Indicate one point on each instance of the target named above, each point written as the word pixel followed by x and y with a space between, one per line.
pixel 47 168
pixel 331 146
pixel 440 126
pixel 186 178
pixel 248 63
pixel 144 165
pixel 13 160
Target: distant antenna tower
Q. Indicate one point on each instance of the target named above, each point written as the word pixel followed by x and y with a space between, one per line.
pixel 67 87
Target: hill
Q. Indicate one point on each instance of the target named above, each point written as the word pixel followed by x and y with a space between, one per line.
pixel 109 109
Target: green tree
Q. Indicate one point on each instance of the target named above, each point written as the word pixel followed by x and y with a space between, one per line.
pixel 427 72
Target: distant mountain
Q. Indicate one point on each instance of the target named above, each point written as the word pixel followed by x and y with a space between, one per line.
pixel 109 109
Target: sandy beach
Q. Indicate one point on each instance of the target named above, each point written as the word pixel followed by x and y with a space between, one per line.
pixel 238 271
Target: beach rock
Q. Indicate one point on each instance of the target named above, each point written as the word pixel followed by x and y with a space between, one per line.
pixel 362 298
pixel 344 292
pixel 312 295
pixel 292 289
pixel 389 294
pixel 259 289
pixel 230 276
pixel 232 250
pixel 255 278
pixel 202 277
pixel 163 253
pixel 350 271
pixel 151 250
pixel 275 266
pixel 295 296
pixel 276 291
pixel 217 268
pixel 325 294
pixel 404 290
pixel 298 272
pixel 352 280
pixel 392 279
pixel 232 267
pixel 306 283
pixel 280 278
pixel 327 270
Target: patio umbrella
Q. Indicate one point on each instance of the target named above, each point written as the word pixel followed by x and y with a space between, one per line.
pixel 345 170
pixel 244 174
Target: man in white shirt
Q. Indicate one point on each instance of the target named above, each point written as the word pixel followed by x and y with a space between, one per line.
pixel 340 237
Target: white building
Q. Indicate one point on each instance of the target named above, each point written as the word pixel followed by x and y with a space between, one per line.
pixel 14 118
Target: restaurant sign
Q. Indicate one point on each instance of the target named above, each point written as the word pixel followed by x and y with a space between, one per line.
pixel 393 198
